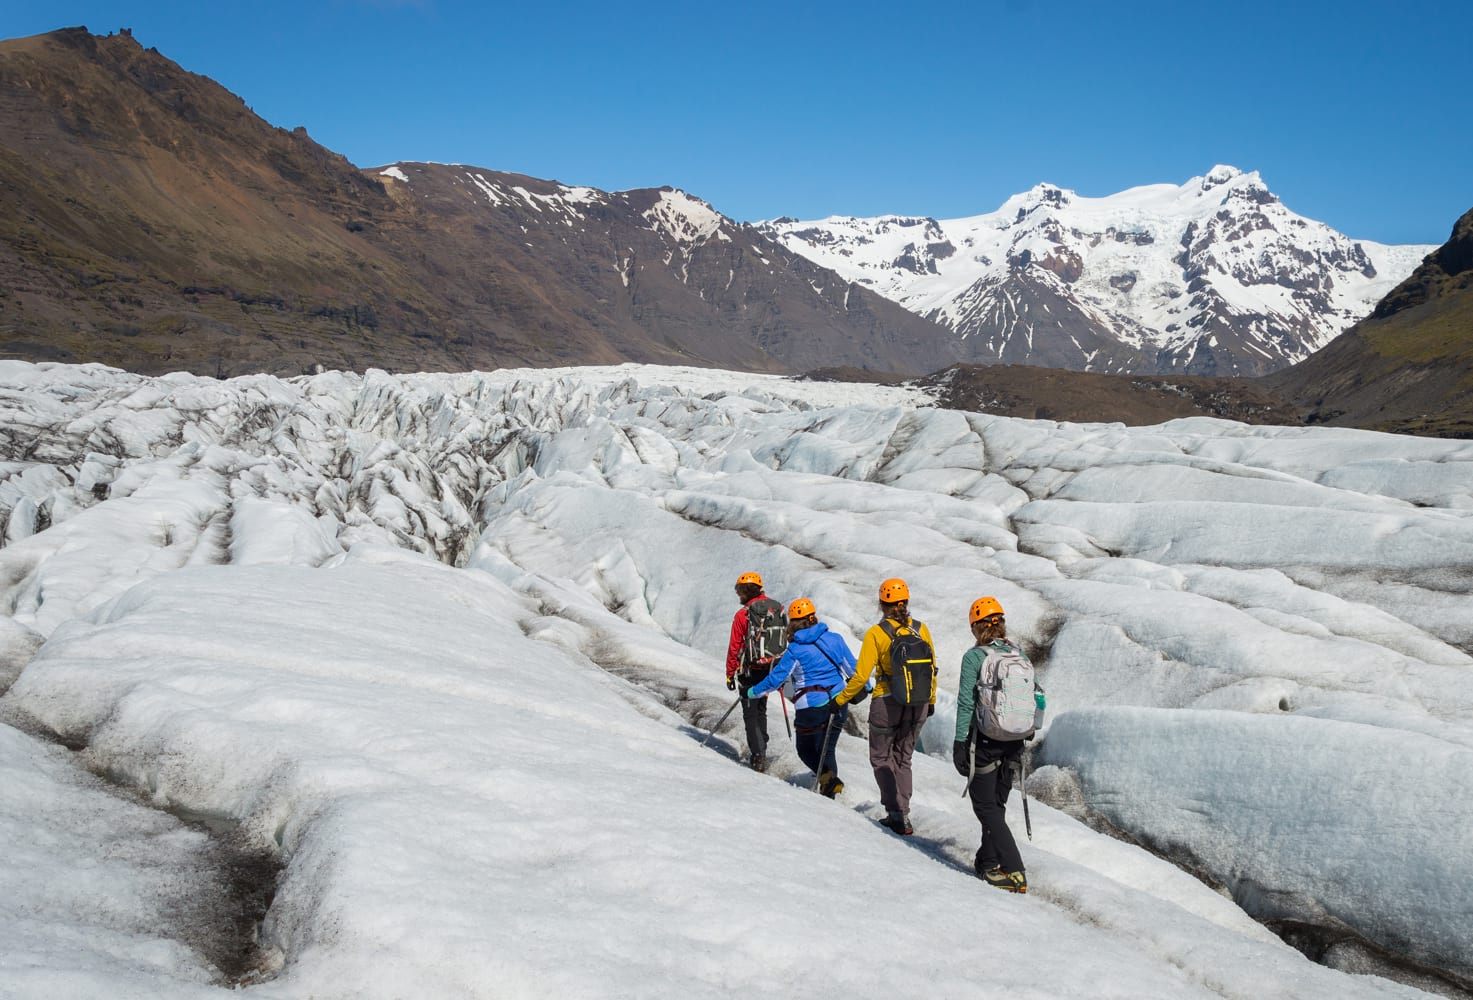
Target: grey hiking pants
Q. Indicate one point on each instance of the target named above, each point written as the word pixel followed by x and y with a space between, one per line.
pixel 893 731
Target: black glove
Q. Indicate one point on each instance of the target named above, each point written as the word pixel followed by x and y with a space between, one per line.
pixel 959 758
pixel 731 682
pixel 930 709
pixel 834 707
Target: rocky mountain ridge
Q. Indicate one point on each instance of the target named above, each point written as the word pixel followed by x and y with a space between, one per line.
pixel 1212 277
pixel 150 220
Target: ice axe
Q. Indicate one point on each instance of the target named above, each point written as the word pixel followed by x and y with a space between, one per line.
pixel 1023 787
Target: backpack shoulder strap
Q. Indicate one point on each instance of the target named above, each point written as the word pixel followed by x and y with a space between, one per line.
pixel 826 656
pixel 892 628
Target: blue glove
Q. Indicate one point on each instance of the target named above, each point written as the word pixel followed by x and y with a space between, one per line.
pixel 750 695
pixel 1038 699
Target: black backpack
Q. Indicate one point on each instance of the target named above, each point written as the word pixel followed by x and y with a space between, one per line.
pixel 912 664
pixel 767 634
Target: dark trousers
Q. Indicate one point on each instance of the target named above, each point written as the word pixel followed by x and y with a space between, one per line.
pixel 817 737
pixel 754 712
pixel 989 793
pixel 893 731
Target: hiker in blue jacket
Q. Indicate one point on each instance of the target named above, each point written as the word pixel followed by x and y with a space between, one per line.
pixel 818 662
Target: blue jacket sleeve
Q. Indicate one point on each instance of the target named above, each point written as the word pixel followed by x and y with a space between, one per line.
pixel 774 680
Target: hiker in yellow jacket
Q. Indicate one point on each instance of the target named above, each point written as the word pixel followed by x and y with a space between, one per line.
pixel 905 696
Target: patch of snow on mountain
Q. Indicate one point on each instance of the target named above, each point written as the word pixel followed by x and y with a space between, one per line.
pixel 492 192
pixel 686 220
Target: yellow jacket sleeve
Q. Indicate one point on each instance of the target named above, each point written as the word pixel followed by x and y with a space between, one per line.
pixel 872 652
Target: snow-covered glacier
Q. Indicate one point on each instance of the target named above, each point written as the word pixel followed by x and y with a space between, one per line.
pixel 445 648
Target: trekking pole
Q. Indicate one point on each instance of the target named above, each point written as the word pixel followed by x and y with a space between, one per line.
pixel 784 702
pixel 721 720
pixel 1023 787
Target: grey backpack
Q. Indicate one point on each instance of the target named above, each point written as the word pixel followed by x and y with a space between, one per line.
pixel 1005 704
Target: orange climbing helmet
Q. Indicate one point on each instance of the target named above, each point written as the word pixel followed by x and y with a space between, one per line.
pixel 984 607
pixel 894 590
pixel 755 579
pixel 800 609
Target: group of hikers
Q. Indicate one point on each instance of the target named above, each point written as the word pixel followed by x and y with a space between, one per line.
pixel 774 649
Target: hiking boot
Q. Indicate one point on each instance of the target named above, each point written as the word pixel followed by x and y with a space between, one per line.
pixel 829 784
pixel 897 823
pixel 759 763
pixel 1010 881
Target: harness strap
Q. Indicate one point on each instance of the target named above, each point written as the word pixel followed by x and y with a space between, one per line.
pixel 972 769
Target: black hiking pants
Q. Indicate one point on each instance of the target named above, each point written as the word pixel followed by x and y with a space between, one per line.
pixel 817 738
pixel 754 712
pixel 989 794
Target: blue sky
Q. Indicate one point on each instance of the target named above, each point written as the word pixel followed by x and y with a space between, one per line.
pixel 1356 114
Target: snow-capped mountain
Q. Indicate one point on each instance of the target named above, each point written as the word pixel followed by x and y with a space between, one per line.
pixel 1213 277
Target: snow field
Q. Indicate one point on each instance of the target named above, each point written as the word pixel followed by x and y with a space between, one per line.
pixel 448 643
pixel 461 823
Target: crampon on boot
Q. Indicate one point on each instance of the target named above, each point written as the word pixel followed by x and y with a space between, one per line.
pixel 897 823
pixel 1010 881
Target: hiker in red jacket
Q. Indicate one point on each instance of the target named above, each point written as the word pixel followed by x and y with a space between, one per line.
pixel 748 662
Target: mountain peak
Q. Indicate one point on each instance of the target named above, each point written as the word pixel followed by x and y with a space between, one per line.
pixel 1050 194
pixel 1221 174
pixel 684 217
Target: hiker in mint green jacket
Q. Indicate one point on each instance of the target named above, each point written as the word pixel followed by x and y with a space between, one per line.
pixel 996 701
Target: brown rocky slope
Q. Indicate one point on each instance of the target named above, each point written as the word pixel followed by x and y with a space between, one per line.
pixel 1408 367
pixel 150 220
